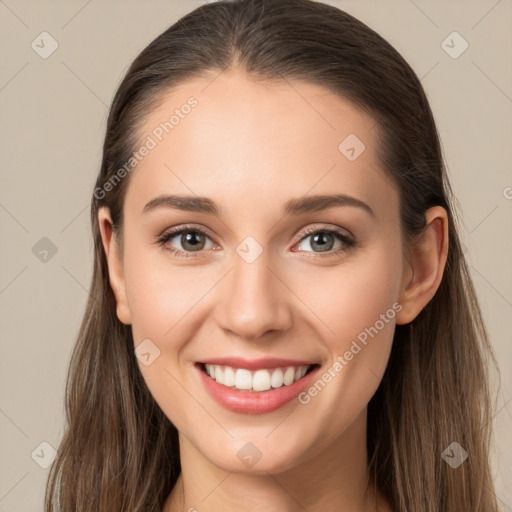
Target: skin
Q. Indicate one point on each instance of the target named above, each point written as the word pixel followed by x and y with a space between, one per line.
pixel 251 147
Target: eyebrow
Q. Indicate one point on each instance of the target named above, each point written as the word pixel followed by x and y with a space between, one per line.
pixel 305 204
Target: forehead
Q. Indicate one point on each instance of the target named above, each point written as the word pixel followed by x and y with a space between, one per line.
pixel 228 137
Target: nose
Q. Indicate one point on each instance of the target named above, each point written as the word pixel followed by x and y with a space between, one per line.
pixel 255 300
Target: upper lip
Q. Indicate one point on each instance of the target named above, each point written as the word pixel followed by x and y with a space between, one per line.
pixel 254 364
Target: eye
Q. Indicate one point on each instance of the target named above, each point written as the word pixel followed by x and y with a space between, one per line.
pixel 323 241
pixel 191 239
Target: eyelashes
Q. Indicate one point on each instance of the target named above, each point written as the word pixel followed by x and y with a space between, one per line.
pixel 169 235
pixel 347 242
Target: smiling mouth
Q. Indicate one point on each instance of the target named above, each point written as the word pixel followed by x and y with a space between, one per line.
pixel 256 380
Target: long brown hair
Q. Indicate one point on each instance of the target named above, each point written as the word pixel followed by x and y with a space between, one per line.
pixel 119 451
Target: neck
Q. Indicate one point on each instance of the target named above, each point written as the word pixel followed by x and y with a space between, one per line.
pixel 336 478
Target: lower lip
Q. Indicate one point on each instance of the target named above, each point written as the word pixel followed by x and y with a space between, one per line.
pixel 255 402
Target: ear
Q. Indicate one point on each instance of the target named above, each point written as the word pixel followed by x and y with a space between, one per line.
pixel 115 265
pixel 424 270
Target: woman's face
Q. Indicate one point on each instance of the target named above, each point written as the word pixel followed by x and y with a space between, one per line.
pixel 258 294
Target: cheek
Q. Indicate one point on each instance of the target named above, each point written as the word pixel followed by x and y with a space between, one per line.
pixel 359 304
pixel 161 299
pixel 353 297
pixel 346 299
pixel 160 294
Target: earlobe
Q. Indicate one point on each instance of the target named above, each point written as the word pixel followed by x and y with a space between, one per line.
pixel 427 262
pixel 115 265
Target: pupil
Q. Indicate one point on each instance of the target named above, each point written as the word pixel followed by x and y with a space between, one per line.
pixel 319 239
pixel 323 247
pixel 191 240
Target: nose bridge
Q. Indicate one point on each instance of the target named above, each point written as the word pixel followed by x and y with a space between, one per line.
pixel 253 300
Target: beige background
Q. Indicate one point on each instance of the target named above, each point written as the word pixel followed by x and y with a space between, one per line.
pixel 53 114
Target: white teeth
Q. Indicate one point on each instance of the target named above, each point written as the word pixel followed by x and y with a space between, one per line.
pixel 209 370
pixel 259 380
pixel 229 377
pixel 277 378
pixel 243 379
pixel 289 375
